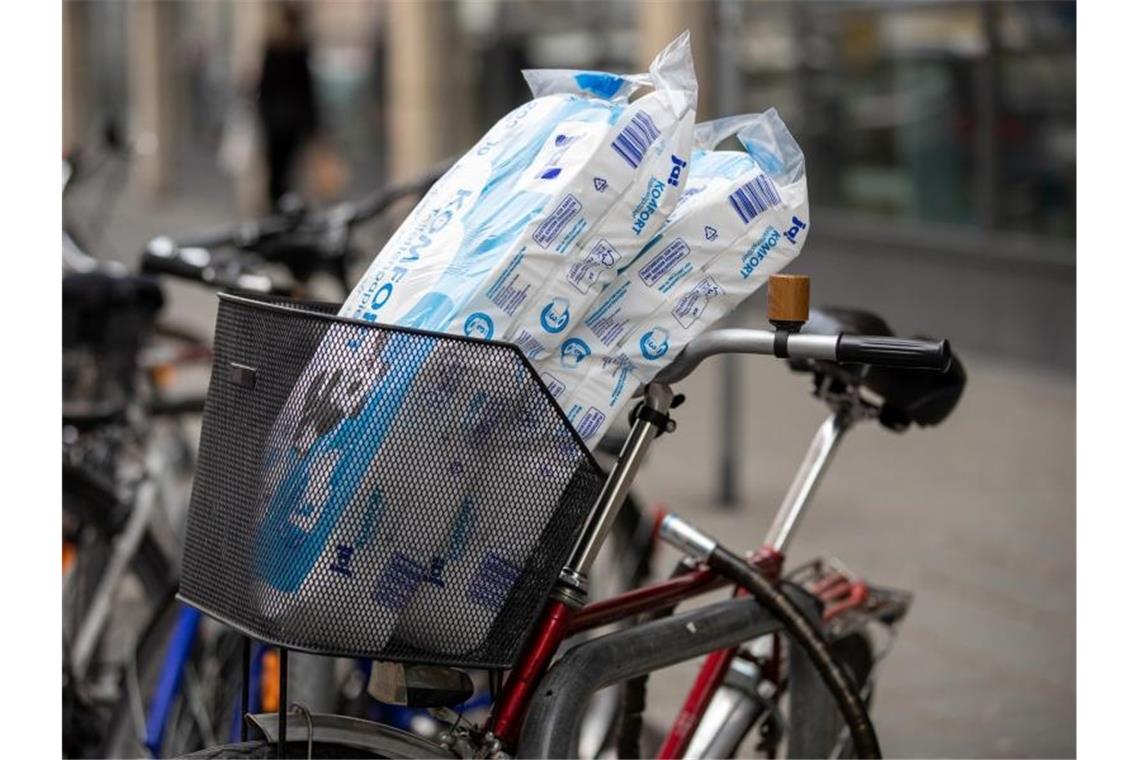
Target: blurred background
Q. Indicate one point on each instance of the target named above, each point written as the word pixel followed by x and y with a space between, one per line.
pixel 940 136
pixel 940 140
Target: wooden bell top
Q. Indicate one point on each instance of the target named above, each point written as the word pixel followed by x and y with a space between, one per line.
pixel 789 298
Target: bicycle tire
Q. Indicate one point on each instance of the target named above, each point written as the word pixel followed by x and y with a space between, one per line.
pixel 264 749
pixel 389 742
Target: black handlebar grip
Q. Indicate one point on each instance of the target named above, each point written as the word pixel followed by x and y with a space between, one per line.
pixel 893 352
pixel 163 256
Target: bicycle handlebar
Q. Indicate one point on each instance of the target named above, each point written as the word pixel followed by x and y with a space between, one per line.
pixel 296 238
pixel 196 263
pixel 366 208
pixel 250 234
pixel 861 349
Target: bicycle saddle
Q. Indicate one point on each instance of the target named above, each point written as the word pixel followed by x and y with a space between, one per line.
pixel 101 309
pixel 909 396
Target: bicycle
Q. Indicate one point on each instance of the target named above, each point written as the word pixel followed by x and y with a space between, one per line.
pixel 539 708
pixel 306 244
pixel 737 691
pixel 125 454
pixel 179 641
pixel 125 463
pixel 126 457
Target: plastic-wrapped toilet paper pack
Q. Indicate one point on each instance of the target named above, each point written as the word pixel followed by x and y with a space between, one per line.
pixel 743 216
pixel 326 451
pixel 531 293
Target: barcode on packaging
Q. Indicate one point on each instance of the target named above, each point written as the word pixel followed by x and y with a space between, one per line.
pixel 633 141
pixel 754 197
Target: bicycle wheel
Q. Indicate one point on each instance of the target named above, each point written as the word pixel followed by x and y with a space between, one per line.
pixel 201 712
pixel 204 709
pixel 386 742
pixel 264 749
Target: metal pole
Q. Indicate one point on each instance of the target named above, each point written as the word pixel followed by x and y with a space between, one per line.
pixel 730 431
pixel 987 89
pixel 729 18
pixel 811 471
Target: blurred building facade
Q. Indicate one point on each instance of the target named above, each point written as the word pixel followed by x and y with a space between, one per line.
pixel 940 136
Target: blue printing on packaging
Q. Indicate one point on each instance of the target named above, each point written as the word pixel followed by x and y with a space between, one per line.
pixel 284 553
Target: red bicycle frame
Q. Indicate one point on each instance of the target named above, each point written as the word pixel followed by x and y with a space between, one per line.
pixel 560 620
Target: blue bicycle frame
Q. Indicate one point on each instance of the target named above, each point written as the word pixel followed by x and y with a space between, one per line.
pixel 170 676
pixel 178 651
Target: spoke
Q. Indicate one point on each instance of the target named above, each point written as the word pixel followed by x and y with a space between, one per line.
pixel 196 704
pixel 134 697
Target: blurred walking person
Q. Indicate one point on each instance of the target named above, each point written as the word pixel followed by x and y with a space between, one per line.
pixel 286 97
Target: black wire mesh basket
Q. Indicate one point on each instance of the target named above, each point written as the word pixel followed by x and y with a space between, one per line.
pixel 373 491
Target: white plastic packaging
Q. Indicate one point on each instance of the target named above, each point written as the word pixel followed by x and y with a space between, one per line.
pixel 716 175
pixel 509 188
pixel 642 166
pixel 743 216
pixel 303 550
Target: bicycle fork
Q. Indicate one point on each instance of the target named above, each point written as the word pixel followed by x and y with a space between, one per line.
pixel 651 419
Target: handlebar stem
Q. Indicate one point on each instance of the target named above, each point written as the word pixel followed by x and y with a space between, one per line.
pixel 659 398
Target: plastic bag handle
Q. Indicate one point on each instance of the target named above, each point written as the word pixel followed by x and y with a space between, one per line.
pixel 709 134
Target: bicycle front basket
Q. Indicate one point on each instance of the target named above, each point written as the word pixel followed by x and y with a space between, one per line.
pixel 373 491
